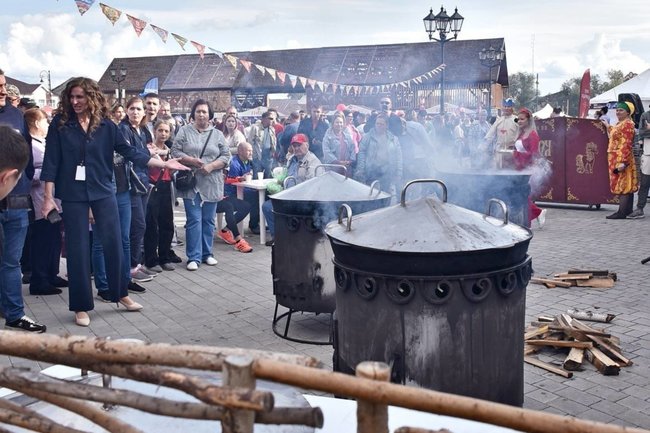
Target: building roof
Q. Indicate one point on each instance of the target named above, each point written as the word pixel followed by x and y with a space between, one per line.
pixel 25 88
pixel 353 65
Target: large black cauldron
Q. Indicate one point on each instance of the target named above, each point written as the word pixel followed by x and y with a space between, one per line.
pixel 438 292
pixel 302 268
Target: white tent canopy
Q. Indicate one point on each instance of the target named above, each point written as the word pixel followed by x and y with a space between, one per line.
pixel 639 85
pixel 544 113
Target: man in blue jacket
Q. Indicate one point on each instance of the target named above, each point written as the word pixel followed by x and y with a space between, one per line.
pixel 13 223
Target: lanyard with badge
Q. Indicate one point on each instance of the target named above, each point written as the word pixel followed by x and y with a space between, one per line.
pixel 80 174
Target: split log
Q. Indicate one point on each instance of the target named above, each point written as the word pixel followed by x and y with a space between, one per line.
pixel 97 416
pixel 561 343
pixel 549 319
pixel 590 315
pixel 548 367
pixel 536 332
pixel 558 283
pixel 594 272
pixel 602 362
pixel 573 361
pixel 60 350
pixel 425 400
pixel 31 419
pixel 570 276
pixel 372 417
pixel 611 348
pixel 530 350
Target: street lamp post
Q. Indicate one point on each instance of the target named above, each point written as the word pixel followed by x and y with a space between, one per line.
pixel 46 74
pixel 118 75
pixel 491 58
pixel 444 25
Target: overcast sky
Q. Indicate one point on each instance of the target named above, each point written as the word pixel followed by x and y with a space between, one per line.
pixel 569 35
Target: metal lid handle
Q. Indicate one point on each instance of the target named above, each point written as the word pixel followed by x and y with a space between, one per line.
pixel 439 182
pixel 285 184
pixel 504 208
pixel 345 169
pixel 348 211
pixel 373 185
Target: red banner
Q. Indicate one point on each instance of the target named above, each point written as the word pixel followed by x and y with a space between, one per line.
pixel 585 93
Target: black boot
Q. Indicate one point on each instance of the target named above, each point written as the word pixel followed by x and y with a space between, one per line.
pixel 629 204
pixel 625 206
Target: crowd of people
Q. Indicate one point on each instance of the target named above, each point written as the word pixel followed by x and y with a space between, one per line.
pixel 108 178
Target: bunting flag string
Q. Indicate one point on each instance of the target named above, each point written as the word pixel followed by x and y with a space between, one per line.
pixel 160 32
pixel 138 24
pixel 84 5
pixel 111 13
pixel 181 40
pixel 200 48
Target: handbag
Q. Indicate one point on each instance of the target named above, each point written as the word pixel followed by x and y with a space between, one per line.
pixel 186 180
pixel 137 187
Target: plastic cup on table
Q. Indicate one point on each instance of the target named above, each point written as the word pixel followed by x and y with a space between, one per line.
pixel 248 177
pixel 260 175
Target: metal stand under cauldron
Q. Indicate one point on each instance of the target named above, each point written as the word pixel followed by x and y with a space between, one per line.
pixel 439 296
pixel 302 268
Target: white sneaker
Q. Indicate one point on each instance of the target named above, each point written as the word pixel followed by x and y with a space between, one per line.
pixel 541 219
pixel 192 266
pixel 210 261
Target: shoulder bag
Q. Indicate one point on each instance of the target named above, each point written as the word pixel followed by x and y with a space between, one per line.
pixel 186 180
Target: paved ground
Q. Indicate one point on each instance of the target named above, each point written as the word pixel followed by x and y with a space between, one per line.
pixel 232 305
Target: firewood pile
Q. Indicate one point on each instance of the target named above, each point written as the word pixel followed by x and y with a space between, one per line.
pixel 600 279
pixel 577 341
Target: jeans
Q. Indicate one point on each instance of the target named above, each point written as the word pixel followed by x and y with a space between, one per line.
pixel 644 187
pixel 99 263
pixel 160 226
pixel 235 210
pixel 252 198
pixel 267 210
pixel 199 228
pixel 14 224
pixel 138 226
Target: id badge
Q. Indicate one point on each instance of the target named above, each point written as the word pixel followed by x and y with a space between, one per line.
pixel 81 173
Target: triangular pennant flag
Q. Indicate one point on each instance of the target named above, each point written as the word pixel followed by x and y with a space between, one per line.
pixel 111 13
pixel 271 72
pixel 217 52
pixel 281 76
pixel 181 40
pixel 138 24
pixel 84 5
pixel 303 81
pixel 293 80
pixel 232 60
pixel 321 84
pixel 200 48
pixel 260 68
pixel 246 64
pixel 311 83
pixel 335 87
pixel 160 32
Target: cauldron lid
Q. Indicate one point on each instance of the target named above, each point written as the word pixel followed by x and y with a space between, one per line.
pixel 428 225
pixel 328 187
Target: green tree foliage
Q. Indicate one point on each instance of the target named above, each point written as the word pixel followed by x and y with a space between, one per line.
pixel 522 89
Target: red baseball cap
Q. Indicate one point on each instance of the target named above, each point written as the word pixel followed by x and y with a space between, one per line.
pixel 299 138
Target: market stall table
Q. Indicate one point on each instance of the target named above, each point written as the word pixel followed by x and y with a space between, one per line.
pixel 260 186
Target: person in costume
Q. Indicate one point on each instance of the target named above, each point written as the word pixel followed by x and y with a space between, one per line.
pixel 620 159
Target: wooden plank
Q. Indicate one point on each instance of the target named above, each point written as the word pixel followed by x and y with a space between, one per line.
pixel 536 333
pixel 558 283
pixel 546 318
pixel 548 367
pixel 529 350
pixel 594 272
pixel 607 346
pixel 602 362
pixel 560 343
pixel 598 283
pixel 573 276
pixel 573 361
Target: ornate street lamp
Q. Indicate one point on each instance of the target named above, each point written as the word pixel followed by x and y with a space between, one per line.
pixel 118 75
pixel 43 75
pixel 491 58
pixel 443 24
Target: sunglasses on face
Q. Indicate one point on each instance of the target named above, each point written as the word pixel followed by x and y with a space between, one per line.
pixel 385 103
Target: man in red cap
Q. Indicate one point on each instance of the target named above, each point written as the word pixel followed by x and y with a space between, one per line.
pixel 302 166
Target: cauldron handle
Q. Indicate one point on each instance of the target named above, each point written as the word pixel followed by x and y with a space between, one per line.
pixel 504 208
pixel 345 169
pixel 286 181
pixel 348 211
pixel 373 185
pixel 439 182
